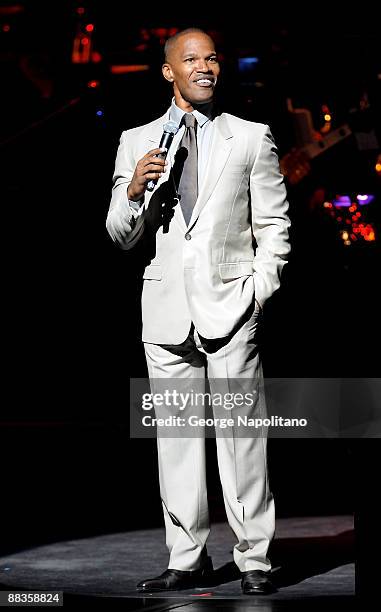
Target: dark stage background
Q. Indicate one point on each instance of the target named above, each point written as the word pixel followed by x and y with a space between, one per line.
pixel 72 299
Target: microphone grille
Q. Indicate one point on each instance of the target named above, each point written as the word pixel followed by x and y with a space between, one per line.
pixel 171 127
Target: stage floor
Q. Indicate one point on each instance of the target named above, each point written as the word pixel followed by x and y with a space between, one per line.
pixel 312 557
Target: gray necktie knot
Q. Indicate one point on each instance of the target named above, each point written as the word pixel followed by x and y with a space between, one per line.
pixel 189 120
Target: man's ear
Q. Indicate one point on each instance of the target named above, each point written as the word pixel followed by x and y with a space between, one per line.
pixel 167 72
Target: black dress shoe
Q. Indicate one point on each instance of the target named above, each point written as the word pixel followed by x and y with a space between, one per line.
pixel 257 582
pixel 175 580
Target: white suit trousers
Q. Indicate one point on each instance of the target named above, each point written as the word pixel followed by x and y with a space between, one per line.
pixel 242 461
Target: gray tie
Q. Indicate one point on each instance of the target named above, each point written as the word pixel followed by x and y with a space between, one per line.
pixel 188 185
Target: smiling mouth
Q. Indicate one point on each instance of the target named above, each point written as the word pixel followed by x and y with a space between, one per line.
pixel 205 82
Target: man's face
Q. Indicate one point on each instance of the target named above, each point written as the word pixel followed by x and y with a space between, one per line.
pixel 193 68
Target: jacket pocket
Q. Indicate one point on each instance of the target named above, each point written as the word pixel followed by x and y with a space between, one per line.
pixel 152 272
pixel 230 271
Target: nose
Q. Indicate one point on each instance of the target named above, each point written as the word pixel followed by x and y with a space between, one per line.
pixel 202 66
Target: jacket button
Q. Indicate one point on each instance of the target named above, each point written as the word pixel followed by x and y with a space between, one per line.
pixel 188 237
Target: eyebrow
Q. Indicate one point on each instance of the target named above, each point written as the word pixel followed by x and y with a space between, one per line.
pixel 191 54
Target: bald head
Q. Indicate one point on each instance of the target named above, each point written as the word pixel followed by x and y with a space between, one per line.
pixel 171 43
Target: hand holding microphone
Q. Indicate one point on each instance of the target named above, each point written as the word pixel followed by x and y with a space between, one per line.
pixel 151 167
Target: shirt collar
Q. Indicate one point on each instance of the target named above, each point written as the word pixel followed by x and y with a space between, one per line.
pixel 176 114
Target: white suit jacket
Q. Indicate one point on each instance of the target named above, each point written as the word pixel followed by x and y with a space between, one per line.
pixel 235 245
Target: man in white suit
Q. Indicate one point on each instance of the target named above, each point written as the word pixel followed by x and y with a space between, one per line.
pixel 216 236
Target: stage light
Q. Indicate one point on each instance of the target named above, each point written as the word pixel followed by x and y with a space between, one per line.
pixel 364 199
pixel 89 27
pixel 96 57
pixel 93 84
pixel 246 64
pixel 100 113
pixel 327 117
pixel 84 40
pixel 126 68
pixel 326 128
pixel 6 27
pixel 342 201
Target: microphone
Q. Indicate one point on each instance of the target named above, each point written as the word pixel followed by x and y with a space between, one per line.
pixel 170 129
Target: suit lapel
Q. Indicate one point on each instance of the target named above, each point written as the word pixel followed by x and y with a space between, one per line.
pixel 156 131
pixel 220 149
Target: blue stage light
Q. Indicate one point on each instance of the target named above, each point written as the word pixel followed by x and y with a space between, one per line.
pixel 245 64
